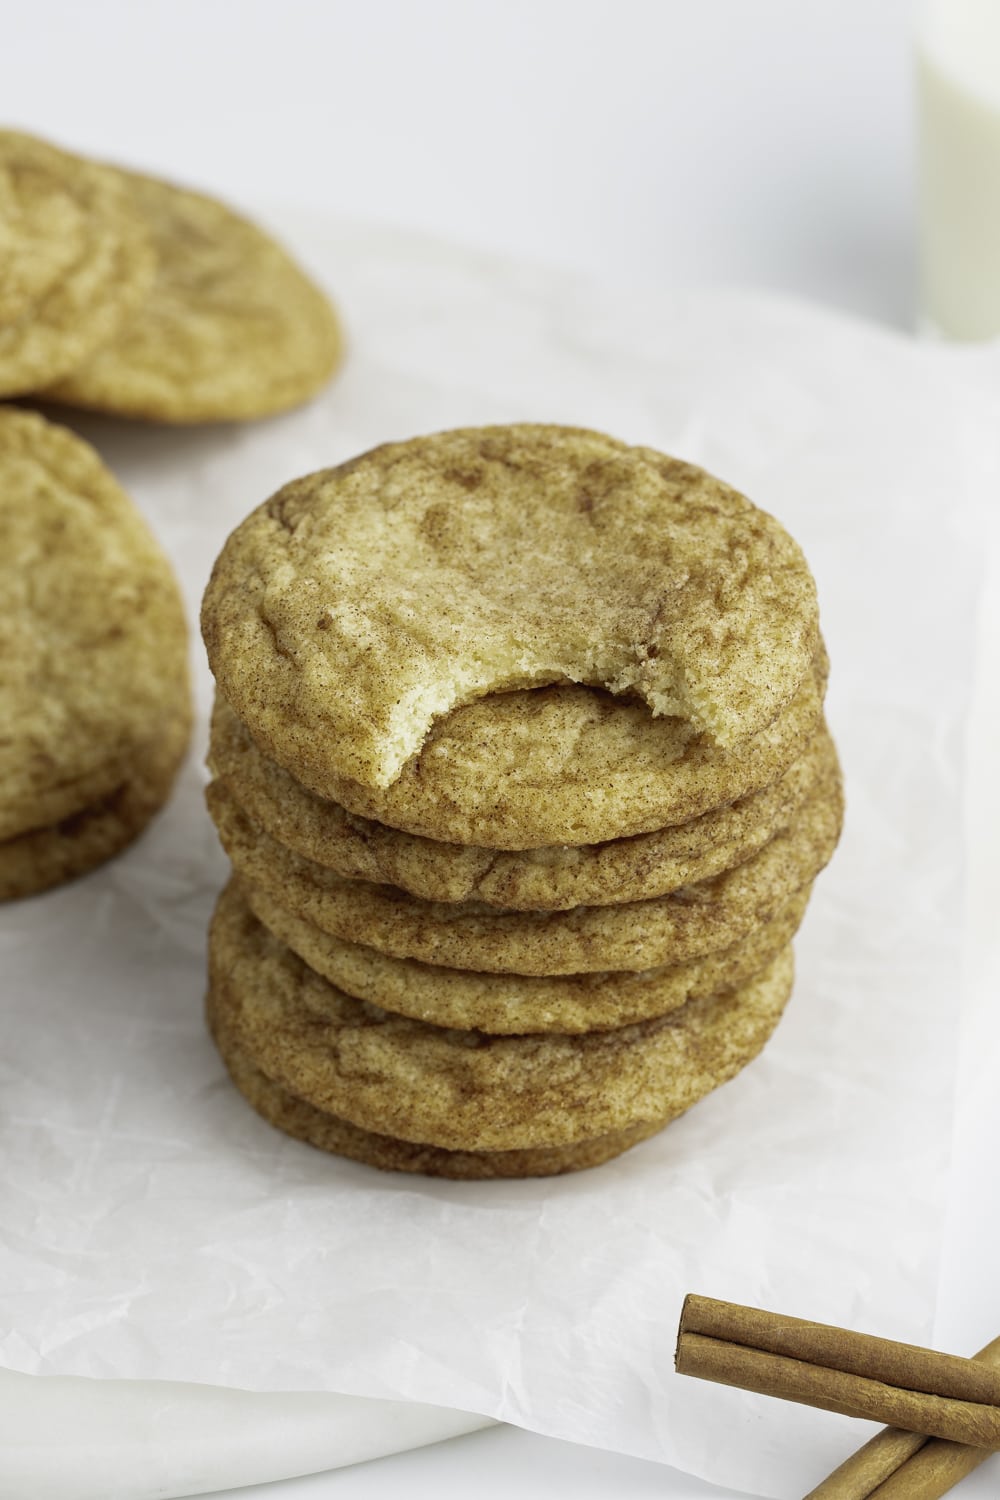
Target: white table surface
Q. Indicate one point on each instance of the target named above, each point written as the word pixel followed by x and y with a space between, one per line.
pixel 758 142
pixel 494 1465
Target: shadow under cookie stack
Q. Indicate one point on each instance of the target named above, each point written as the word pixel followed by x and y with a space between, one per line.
pixel 519 758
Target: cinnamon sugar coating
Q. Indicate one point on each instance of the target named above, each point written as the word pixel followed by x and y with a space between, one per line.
pixel 466 1091
pixel 363 604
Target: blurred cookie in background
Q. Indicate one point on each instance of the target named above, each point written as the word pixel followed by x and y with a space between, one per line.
pixel 231 327
pixel 75 260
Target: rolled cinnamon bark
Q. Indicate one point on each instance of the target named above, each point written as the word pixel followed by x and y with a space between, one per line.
pixel 931 1472
pixel 898 1465
pixel 902 1385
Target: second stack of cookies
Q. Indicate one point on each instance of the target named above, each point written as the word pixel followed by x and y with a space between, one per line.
pixel 562 922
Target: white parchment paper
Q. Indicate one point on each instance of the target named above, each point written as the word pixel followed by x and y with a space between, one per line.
pixel 152 1227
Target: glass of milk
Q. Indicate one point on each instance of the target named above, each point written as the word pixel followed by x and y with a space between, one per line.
pixel 958 60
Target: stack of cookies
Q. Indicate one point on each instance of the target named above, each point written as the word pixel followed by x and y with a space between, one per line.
pixel 125 294
pixel 520 762
pixel 95 700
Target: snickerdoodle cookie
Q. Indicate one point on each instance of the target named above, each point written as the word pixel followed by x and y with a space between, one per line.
pixel 573 765
pixel 75 260
pixel 231 327
pixel 520 760
pixel 551 878
pixel 467 1091
pixel 94 696
pixel 507 1004
pixel 688 923
pixel 44 857
pixel 331 1133
pixel 363 604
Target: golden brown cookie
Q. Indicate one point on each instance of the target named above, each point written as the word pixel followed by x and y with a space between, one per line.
pixel 361 605
pixel 508 1004
pixel 92 630
pixel 556 765
pixel 45 857
pixel 689 923
pixel 466 1091
pixel 75 259
pixel 330 1133
pixel 231 328
pixel 549 879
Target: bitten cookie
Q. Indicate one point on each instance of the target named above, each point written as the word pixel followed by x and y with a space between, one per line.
pixel 571 765
pixel 361 605
pixel 553 878
pixel 520 760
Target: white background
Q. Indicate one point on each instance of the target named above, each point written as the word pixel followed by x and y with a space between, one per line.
pixel 765 142
pixel 755 142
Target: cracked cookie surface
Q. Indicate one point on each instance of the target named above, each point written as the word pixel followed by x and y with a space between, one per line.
pixel 75 260
pixel 685 924
pixel 231 327
pixel 553 878
pixel 363 604
pixel 467 1091
pixel 41 858
pixel 333 1134
pixel 508 1004
pixel 566 765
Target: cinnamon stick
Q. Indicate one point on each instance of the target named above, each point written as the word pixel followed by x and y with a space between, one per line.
pixel 898 1465
pixel 901 1385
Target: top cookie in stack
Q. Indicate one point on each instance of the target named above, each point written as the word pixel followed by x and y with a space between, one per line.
pixel 519 730
pixel 374 599
pixel 76 261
